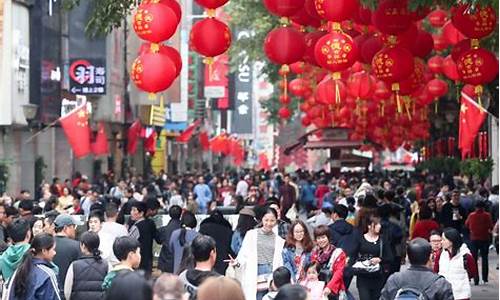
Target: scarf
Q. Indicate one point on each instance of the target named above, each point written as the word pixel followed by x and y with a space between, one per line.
pixel 322 256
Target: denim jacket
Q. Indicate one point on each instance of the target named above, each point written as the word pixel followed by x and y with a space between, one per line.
pixel 289 262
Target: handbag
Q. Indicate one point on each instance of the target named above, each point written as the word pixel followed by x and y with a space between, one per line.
pixel 325 274
pixel 366 268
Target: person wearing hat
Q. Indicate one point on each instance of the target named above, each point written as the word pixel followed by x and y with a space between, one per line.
pixel 67 248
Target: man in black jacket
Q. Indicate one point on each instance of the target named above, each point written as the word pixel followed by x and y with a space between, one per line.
pixel 166 259
pixel 344 235
pixel 221 231
pixel 418 278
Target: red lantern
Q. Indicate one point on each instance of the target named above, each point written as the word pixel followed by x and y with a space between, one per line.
pixel 210 37
pixel 434 63
pixel 310 8
pixel 335 51
pixel 369 48
pixel 167 50
pixel 311 39
pixel 363 16
pixel 460 48
pixel 392 16
pixel 393 64
pixel 413 82
pixel 284 45
pixel 284 8
pixel 361 85
pixel 306 121
pixel 451 34
pixel 330 91
pixel 284 99
pixel 153 72
pixel 477 66
pixel 173 4
pixel 298 87
pixel 284 113
pixel 437 88
pixel 437 18
pixel 475 23
pixel 305 19
pixel 439 42
pixel 450 69
pixel 155 22
pixel 336 10
pixel 298 67
pixel 423 44
pixel 381 92
pixel 211 4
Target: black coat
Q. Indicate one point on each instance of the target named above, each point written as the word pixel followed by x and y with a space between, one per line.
pixel 88 275
pixel 166 259
pixel 344 235
pixel 221 231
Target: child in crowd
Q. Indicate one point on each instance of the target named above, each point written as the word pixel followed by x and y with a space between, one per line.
pixel 127 251
pixel 281 277
pixel 312 283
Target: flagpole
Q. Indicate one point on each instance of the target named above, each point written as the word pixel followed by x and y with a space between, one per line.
pixel 468 98
pixel 41 131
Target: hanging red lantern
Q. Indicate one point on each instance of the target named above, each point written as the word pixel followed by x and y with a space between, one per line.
pixel 423 44
pixel 475 22
pixel 303 18
pixel 434 63
pixel 392 16
pixel 330 91
pixel 311 39
pixel 335 51
pixel 171 52
pixel 437 18
pixel 211 4
pixel 284 99
pixel 153 72
pixel 392 64
pixel 298 87
pixel 284 113
pixel 363 16
pixel 284 45
pixel 450 69
pixel 298 67
pixel 305 121
pixel 210 37
pixel 336 10
pixel 460 48
pixel 437 88
pixel 369 48
pixel 361 85
pixel 451 34
pixel 173 4
pixel 283 8
pixel 154 22
pixel 410 84
pixel 477 66
pixel 381 92
pixel 440 42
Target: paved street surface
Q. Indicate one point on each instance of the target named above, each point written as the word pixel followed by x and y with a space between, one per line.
pixel 487 291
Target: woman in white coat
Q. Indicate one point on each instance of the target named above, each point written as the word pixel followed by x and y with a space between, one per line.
pixel 259 255
pixel 456 264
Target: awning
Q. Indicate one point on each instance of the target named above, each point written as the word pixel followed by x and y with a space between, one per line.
pixel 186 135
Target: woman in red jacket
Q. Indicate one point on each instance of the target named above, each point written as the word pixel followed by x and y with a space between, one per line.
pixel 331 261
pixel 425 224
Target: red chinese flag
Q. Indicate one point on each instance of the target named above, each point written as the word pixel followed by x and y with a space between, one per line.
pixel 186 135
pixel 100 145
pixel 76 127
pixel 471 118
pixel 204 142
pixel 150 140
pixel 133 135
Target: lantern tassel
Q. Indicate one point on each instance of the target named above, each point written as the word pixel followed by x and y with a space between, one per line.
pixel 407 102
pixel 435 107
pixel 395 88
pixel 336 76
pixel 479 91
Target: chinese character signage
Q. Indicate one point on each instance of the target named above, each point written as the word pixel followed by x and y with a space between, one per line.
pixel 242 119
pixel 87 77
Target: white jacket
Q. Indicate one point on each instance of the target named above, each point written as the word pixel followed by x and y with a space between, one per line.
pixel 247 258
pixel 454 271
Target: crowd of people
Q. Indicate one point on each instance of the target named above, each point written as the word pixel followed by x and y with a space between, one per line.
pixel 295 236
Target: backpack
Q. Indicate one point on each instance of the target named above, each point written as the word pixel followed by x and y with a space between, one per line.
pixel 413 293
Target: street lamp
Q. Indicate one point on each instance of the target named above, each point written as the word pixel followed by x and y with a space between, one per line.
pixel 30 111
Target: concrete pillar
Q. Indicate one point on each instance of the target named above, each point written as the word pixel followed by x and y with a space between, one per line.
pixel 494 150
